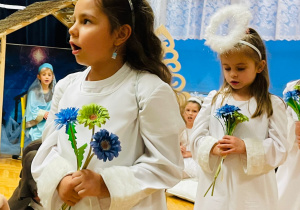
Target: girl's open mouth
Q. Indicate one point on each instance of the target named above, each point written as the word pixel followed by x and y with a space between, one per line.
pixel 234 82
pixel 75 48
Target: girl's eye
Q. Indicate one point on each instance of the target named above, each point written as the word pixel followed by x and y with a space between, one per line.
pixel 227 69
pixel 85 21
pixel 241 69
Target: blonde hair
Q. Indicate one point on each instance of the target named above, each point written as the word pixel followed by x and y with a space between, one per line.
pixel 259 89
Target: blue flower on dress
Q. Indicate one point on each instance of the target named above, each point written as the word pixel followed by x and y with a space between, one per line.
pixel 226 110
pixel 106 146
pixel 65 117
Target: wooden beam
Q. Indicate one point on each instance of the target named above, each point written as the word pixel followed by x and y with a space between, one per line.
pixel 64 15
pixel 40 16
pixel 2 69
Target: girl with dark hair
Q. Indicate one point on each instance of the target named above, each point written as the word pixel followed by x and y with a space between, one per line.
pixel 126 75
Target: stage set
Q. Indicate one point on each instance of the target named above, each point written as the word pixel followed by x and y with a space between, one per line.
pixel 38 32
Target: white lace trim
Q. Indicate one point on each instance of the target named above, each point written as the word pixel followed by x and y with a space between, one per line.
pixel 255 163
pixel 188 19
pixel 207 161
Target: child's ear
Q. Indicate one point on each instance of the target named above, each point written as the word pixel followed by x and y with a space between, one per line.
pixel 38 76
pixel 123 33
pixel 261 66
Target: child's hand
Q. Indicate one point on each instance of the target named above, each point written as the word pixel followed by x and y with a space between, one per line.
pixel 216 150
pixel 3 203
pixel 66 191
pixel 231 145
pixel 297 131
pixel 185 154
pixel 89 183
pixel 46 115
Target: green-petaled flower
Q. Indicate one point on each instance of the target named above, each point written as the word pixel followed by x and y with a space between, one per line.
pixel 91 115
pixel 239 117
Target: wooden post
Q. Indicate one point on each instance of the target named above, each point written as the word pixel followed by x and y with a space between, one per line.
pixel 2 68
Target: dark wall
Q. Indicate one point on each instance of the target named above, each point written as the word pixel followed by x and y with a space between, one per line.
pixel 45 32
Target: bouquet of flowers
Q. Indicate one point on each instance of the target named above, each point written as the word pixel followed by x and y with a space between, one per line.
pixel 292 99
pixel 231 117
pixel 105 145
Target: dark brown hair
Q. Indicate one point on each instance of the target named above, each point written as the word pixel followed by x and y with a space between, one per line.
pixel 143 48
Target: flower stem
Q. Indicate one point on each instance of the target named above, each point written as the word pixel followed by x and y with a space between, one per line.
pixel 89 156
pixel 215 177
pixel 65 206
pixel 88 160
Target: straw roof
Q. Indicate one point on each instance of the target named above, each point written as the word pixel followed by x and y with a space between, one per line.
pixel 61 9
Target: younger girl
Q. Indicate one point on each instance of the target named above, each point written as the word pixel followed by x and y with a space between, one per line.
pixel 39 99
pixel 288 174
pixel 190 112
pixel 247 178
pixel 126 75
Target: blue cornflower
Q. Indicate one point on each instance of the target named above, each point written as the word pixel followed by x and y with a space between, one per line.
pixel 294 94
pixel 65 117
pixel 106 146
pixel 226 110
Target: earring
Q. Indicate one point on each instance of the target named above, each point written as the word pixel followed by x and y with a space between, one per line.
pixel 114 55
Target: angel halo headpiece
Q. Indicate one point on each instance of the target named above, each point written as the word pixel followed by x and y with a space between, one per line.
pixel 239 17
pixel 196 99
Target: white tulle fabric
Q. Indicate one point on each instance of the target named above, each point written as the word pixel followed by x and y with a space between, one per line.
pixel 188 19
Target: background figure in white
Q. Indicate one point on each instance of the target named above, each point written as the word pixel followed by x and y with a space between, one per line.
pixel 288 178
pixel 189 114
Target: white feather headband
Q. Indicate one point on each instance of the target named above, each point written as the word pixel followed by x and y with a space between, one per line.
pixel 238 17
pixel 195 99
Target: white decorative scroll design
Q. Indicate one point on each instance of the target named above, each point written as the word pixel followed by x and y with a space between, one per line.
pixel 172 63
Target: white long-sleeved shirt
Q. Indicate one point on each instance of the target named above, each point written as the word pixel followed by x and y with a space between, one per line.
pixel 144 114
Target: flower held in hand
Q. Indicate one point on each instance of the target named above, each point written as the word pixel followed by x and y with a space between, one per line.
pixel 292 98
pixel 231 118
pixel 106 146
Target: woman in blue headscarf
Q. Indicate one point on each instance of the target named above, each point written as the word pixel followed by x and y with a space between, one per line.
pixel 39 99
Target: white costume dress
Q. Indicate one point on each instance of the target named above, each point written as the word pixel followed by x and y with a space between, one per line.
pixel 144 114
pixel 288 175
pixel 190 166
pixel 246 181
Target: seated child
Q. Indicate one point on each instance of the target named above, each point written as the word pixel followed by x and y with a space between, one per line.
pixel 190 112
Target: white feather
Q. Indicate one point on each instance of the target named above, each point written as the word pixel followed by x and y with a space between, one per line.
pixel 238 16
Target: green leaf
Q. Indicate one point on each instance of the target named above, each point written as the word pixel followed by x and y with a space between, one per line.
pixel 72 138
pixel 80 153
pixel 295 106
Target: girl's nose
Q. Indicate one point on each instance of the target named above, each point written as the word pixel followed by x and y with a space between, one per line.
pixel 233 73
pixel 73 30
